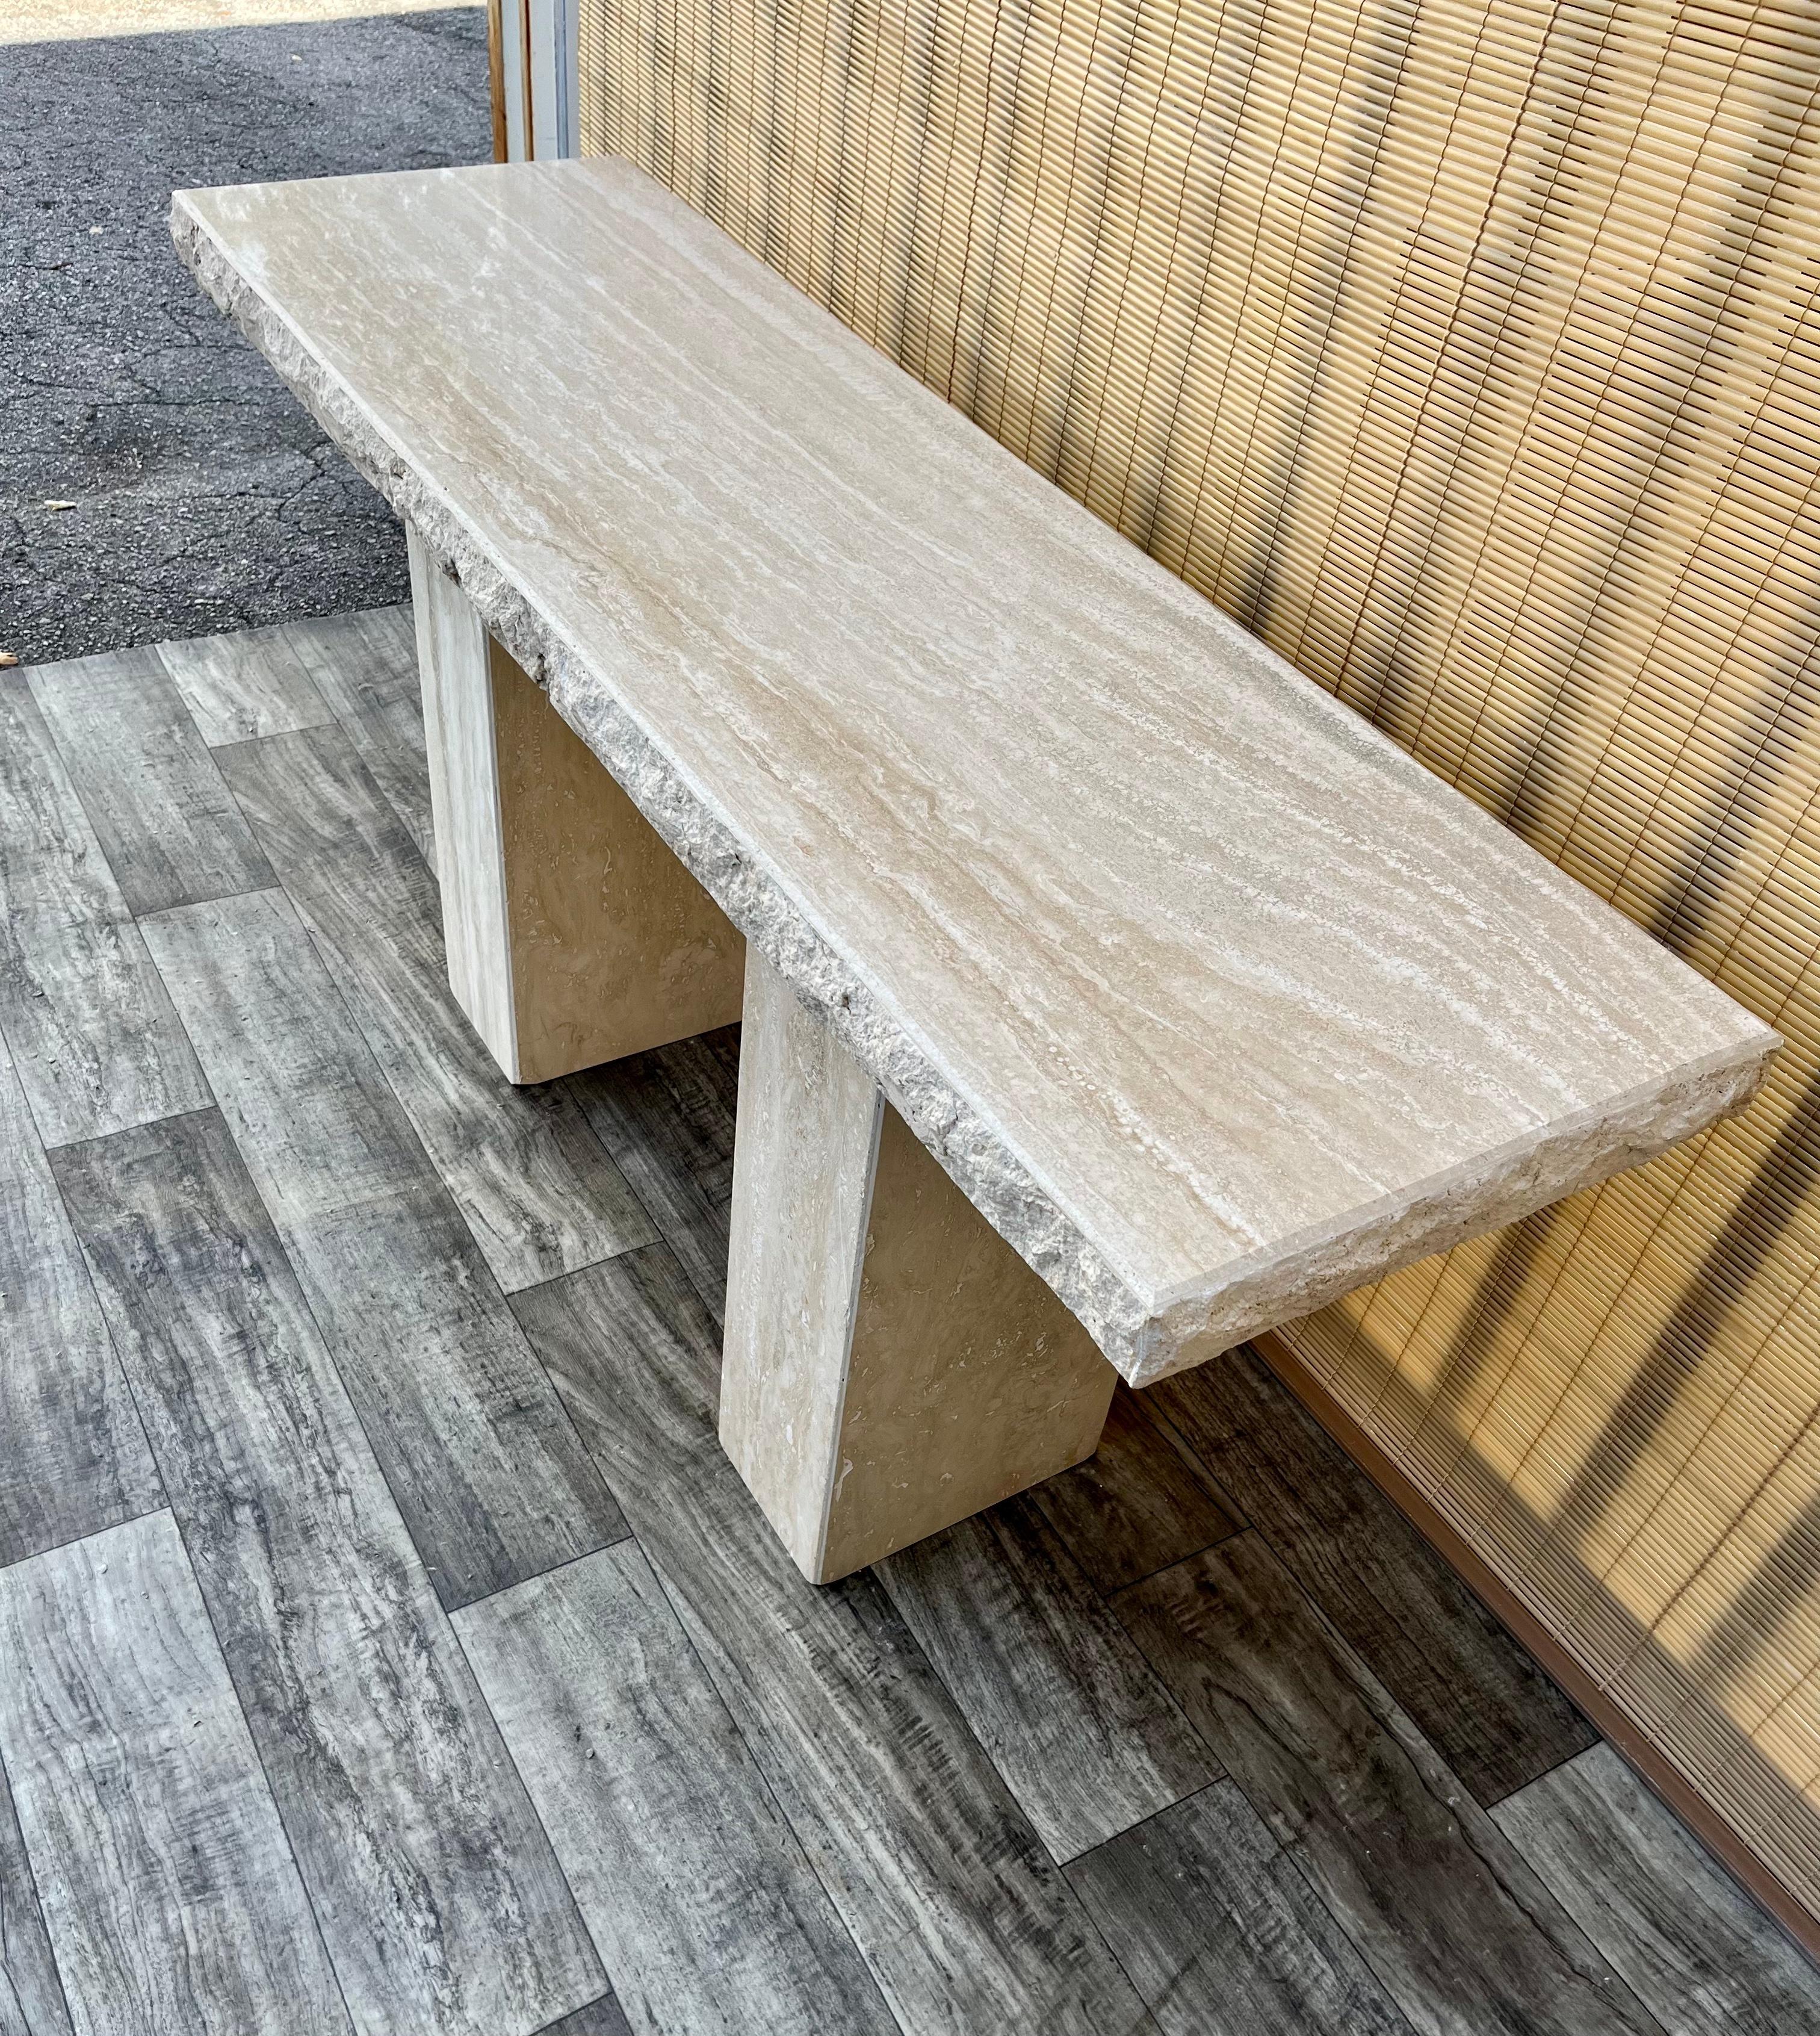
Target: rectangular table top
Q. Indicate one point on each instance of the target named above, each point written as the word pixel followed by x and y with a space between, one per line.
pixel 1215 1002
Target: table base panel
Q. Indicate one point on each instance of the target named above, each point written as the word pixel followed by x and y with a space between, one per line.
pixel 891 1365
pixel 575 935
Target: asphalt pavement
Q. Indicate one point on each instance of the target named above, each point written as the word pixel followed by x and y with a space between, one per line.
pixel 203 497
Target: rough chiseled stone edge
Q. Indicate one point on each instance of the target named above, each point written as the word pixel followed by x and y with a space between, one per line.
pixel 1145 1338
pixel 1305 1272
pixel 971 1149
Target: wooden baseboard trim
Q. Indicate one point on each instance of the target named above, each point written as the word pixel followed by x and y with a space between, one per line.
pixel 1649 1761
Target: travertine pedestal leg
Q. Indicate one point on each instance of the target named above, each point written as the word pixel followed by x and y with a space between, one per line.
pixel 575 935
pixel 891 1364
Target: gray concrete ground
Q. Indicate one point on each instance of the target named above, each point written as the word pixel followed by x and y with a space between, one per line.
pixel 206 499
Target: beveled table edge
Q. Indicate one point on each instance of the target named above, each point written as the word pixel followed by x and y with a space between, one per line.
pixel 1145 1336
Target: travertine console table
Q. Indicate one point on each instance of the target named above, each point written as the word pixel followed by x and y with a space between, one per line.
pixel 1110 993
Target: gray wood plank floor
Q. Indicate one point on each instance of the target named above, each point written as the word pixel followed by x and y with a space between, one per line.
pixel 31 2000
pixel 365 667
pixel 965 1920
pixel 167 825
pixel 408 1824
pixel 1459 1931
pixel 462 1690
pixel 1138 1504
pixel 667 1117
pixel 534 1183
pixel 601 2017
pixel 72 1458
pixel 1699 1953
pixel 94 1042
pixel 695 1888
pixel 1088 1739
pixel 1491 1713
pixel 125 1747
pixel 250 683
pixel 486 1467
pixel 1221 1932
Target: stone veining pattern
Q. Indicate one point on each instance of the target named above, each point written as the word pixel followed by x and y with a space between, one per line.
pixel 1213 1001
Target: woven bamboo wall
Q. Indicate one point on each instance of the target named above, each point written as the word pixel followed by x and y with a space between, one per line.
pixel 1468 352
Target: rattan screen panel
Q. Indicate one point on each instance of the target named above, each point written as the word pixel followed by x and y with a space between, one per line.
pixel 1469 353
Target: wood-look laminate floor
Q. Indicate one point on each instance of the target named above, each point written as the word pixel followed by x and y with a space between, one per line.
pixel 387 1646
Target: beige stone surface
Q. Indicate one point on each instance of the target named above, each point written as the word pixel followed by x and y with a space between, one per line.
pixel 891 1366
pixel 573 935
pixel 1214 1002
pixel 62 20
pixel 454 667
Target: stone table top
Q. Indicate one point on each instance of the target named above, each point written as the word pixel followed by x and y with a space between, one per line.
pixel 1215 1002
